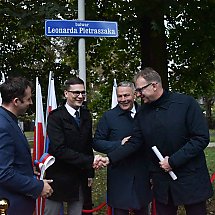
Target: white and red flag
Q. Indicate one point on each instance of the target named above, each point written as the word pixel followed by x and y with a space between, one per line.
pixel 39 128
pixel 39 132
pixel 1 82
pixel 51 98
pixel 51 102
pixel 114 101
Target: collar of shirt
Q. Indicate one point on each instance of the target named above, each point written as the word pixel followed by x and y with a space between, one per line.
pixel 71 110
pixel 133 112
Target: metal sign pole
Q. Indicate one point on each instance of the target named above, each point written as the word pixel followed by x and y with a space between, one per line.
pixel 81 44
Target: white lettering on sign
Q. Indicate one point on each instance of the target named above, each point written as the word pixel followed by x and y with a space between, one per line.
pixel 82 30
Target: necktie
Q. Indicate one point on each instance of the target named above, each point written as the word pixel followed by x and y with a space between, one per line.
pixel 77 117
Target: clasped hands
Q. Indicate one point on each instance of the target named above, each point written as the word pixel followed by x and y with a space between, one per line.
pixel 100 162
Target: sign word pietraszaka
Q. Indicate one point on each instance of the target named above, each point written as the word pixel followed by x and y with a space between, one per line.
pixel 80 28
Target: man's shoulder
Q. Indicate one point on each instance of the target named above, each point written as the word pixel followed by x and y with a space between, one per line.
pixel 58 111
pixel 114 111
pixel 180 97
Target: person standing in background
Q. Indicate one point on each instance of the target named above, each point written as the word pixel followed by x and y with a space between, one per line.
pixel 128 184
pixel 17 182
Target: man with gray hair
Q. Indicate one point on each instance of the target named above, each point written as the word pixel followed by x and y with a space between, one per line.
pixel 128 185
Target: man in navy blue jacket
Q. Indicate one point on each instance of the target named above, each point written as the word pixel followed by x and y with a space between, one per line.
pixel 176 125
pixel 128 185
pixel 17 182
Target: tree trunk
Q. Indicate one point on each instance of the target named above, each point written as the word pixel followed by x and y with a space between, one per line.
pixel 153 38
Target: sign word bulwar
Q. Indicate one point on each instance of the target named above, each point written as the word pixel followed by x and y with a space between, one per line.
pixel 80 28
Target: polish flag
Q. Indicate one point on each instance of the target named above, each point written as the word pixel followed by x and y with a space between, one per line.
pixel 39 128
pixel 39 131
pixel 51 98
pixel 1 82
pixel 114 101
pixel 51 103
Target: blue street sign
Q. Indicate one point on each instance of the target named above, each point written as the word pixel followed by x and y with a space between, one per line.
pixel 80 28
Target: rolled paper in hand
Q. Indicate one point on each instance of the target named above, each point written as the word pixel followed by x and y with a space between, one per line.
pixel 161 158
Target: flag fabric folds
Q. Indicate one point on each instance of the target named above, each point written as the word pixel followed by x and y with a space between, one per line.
pixel 39 132
pixel 1 82
pixel 39 128
pixel 51 103
pixel 51 98
pixel 114 101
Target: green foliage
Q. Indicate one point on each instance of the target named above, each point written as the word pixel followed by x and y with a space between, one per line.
pixel 191 47
pixel 190 44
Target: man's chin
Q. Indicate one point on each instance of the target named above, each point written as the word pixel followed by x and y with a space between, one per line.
pixel 125 107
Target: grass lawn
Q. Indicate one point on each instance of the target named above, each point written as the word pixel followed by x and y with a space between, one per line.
pixel 212 135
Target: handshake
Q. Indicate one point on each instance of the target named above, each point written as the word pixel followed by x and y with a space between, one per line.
pixel 100 162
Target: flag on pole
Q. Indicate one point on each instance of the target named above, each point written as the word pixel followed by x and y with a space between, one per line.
pixel 51 98
pixel 39 131
pixel 1 82
pixel 51 103
pixel 114 101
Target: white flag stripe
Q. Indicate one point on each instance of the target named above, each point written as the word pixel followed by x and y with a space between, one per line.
pixel 114 101
pixel 1 82
pixel 51 98
pixel 39 117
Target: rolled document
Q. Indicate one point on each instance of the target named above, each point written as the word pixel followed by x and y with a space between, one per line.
pixel 161 158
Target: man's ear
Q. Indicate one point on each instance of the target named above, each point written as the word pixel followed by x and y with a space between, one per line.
pixel 15 101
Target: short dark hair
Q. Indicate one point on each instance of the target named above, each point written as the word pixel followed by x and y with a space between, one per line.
pixel 72 81
pixel 149 74
pixel 14 87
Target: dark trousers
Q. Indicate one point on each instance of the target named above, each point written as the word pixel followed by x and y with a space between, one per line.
pixel 142 211
pixel 171 209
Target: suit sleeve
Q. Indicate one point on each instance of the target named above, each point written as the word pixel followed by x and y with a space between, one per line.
pixel 135 142
pixel 101 142
pixel 10 177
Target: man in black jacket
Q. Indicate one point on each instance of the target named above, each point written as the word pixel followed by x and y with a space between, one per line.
pixel 176 125
pixel 69 129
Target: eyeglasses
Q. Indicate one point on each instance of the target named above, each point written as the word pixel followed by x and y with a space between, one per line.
pixel 77 93
pixel 140 90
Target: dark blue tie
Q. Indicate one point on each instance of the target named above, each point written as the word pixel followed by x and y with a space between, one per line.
pixel 77 117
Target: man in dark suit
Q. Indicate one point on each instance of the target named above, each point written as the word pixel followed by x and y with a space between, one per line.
pixel 176 125
pixel 128 184
pixel 69 129
pixel 17 182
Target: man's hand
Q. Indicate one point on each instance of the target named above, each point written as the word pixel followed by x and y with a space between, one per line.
pixel 165 164
pixel 36 172
pixel 100 162
pixel 47 190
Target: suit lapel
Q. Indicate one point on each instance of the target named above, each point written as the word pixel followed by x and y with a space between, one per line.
pixel 67 117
